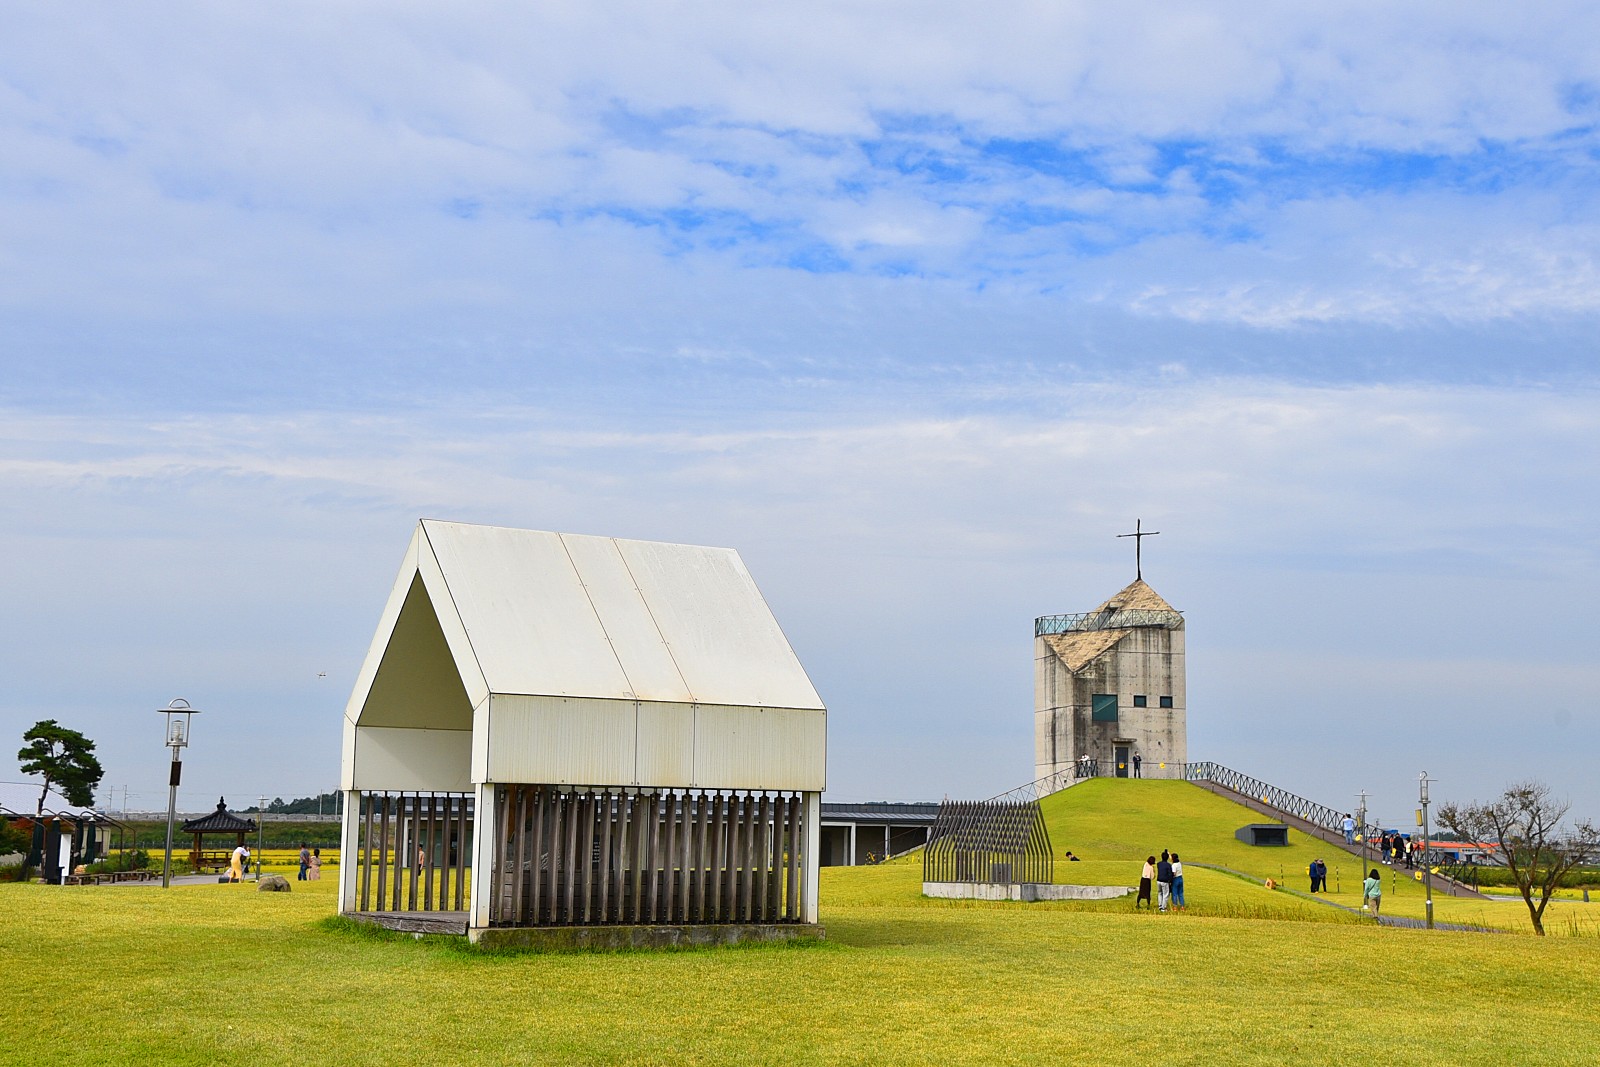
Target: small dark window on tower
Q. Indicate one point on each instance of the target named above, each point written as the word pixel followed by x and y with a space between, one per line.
pixel 1140 702
pixel 1166 702
pixel 1103 707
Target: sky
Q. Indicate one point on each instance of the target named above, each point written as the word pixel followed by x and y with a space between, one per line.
pixel 917 306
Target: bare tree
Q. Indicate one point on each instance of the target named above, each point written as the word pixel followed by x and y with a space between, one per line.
pixel 1526 823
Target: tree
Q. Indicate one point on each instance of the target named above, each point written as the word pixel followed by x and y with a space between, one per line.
pixel 65 759
pixel 13 840
pixel 1526 822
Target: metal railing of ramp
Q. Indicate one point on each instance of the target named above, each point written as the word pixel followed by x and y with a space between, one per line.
pixel 1319 815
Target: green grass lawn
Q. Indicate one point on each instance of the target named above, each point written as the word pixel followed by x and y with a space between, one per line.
pixel 222 974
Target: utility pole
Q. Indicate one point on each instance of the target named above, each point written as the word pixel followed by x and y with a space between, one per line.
pixel 261 833
pixel 1427 871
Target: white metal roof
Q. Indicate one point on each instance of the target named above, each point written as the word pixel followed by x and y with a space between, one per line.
pixel 22 798
pixel 526 612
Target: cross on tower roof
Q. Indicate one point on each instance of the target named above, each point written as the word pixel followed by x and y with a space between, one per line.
pixel 1138 535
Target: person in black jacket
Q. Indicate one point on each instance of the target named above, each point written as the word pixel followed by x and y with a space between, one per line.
pixel 1163 881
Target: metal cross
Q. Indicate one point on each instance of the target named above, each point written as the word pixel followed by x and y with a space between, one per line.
pixel 1138 535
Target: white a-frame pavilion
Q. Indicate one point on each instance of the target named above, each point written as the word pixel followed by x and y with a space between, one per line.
pixel 563 731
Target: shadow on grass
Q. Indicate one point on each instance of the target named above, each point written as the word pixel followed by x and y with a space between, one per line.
pixel 458 946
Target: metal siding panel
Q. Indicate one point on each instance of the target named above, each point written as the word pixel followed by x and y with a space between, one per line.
pixel 480 742
pixel 723 637
pixel 666 745
pixel 401 760
pixel 635 640
pixel 525 611
pixel 561 741
pixel 760 748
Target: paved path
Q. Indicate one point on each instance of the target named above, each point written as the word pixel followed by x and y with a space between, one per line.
pixel 1383 920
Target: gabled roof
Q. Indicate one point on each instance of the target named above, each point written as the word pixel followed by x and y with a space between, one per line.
pixel 485 609
pixel 221 821
pixel 1137 596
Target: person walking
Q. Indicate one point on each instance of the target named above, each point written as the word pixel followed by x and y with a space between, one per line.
pixel 1177 885
pixel 1349 829
pixel 315 873
pixel 1138 761
pixel 1146 876
pixel 305 862
pixel 1372 892
pixel 1163 881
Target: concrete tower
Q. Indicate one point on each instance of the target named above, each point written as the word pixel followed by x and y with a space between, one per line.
pixel 1109 684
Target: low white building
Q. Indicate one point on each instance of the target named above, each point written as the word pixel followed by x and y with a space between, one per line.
pixel 555 730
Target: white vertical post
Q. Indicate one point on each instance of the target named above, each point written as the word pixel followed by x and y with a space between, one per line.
pixel 483 836
pixel 850 861
pixel 813 865
pixel 349 853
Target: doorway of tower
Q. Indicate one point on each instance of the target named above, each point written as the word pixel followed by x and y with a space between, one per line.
pixel 1124 751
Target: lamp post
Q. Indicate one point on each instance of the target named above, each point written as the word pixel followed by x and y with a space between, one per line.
pixel 177 714
pixel 1427 870
pixel 261 833
pixel 1361 829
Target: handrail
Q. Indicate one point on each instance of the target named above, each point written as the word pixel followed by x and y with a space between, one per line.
pixel 1040 788
pixel 1085 621
pixel 1320 815
pixel 1317 814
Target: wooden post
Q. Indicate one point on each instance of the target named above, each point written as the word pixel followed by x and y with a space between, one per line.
pixel 366 853
pixel 714 872
pixel 427 851
pixel 463 850
pixel 641 843
pixel 514 840
pixel 383 851
pixel 792 841
pixel 764 857
pixel 604 874
pixel 535 838
pixel 574 809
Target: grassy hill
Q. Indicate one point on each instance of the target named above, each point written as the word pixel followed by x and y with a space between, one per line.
pixel 1114 823
pixel 1129 819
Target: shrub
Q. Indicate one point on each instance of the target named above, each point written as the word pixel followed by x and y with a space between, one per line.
pixel 16 872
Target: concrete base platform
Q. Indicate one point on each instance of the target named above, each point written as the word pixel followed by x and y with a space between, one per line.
pixel 415 922
pixel 1028 891
pixel 558 938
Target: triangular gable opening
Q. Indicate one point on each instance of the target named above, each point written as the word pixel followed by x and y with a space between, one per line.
pixel 417 684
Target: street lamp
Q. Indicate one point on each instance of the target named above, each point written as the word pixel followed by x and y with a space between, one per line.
pixel 177 714
pixel 1427 869
pixel 1361 828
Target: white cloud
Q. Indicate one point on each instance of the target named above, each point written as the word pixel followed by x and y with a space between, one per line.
pixel 1429 529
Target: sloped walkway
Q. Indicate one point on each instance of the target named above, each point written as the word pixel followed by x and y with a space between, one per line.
pixel 1444 885
pixel 1400 921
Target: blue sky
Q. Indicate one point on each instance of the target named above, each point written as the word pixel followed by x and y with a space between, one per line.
pixel 916 306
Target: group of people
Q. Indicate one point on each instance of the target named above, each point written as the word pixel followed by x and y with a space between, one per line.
pixel 1395 849
pixel 1318 871
pixel 310 864
pixel 1167 876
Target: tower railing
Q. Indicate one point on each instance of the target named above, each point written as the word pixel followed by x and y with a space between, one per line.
pixel 1089 621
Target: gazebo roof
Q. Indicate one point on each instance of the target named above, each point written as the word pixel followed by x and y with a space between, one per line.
pixel 221 821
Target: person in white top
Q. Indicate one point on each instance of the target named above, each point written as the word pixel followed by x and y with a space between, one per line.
pixel 1177 885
